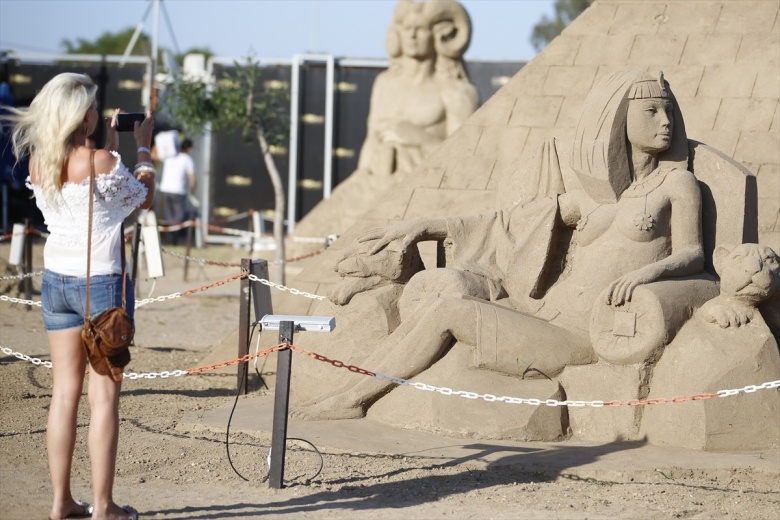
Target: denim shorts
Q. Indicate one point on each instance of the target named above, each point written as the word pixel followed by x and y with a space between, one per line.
pixel 63 298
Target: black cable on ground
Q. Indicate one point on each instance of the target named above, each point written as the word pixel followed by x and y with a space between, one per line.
pixel 322 460
pixel 230 419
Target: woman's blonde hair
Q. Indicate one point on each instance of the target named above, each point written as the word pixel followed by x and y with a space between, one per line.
pixel 44 130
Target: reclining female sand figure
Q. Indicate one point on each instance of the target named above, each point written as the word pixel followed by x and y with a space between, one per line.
pixel 631 139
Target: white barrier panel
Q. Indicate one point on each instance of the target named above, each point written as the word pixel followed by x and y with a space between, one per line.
pixel 152 250
pixel 17 245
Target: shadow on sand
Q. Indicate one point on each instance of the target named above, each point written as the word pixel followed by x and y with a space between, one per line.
pixel 510 465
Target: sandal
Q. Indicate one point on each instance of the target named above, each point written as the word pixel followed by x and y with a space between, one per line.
pixel 86 510
pixel 130 511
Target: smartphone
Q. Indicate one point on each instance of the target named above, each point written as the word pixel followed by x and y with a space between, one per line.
pixel 126 122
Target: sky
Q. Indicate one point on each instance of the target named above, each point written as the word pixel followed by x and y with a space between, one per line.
pixel 262 28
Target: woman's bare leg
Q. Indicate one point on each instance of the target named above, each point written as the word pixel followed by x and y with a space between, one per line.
pixel 103 441
pixel 68 365
pixel 412 348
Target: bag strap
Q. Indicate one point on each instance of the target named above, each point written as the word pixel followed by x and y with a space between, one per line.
pixel 89 240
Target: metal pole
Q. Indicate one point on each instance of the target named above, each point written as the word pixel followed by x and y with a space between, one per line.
pixel 292 172
pixel 251 228
pixel 28 260
pixel 136 247
pixel 188 251
pixel 327 174
pixel 243 328
pixel 155 41
pixel 281 406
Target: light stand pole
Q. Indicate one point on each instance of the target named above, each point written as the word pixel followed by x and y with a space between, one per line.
pixel 287 325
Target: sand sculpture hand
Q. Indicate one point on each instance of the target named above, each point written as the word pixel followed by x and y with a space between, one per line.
pixel 404 133
pixel 407 233
pixel 621 290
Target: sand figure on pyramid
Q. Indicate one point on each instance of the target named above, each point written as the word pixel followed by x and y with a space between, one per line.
pixel 422 97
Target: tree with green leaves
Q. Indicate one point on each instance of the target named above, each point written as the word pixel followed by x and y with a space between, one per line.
pixel 237 101
pixel 565 13
pixel 110 43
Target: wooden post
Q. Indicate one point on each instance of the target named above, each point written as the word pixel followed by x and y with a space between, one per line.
pixel 261 295
pixel 251 229
pixel 252 294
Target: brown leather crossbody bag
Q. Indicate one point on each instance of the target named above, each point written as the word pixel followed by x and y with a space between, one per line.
pixel 108 336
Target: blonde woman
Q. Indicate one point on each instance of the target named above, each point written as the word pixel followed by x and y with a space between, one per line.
pixel 53 132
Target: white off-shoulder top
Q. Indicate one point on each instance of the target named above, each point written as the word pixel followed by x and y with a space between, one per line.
pixel 117 194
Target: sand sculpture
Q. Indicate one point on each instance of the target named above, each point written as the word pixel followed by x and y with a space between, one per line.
pixel 576 292
pixel 422 97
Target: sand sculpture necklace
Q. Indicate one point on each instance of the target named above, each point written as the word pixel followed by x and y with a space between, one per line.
pixel 644 221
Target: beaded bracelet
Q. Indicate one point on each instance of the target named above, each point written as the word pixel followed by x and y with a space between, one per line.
pixel 144 149
pixel 144 169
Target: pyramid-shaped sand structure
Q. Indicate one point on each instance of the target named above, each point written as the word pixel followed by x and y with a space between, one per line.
pixel 722 59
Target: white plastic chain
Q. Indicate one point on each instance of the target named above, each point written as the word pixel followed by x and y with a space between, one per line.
pixel 146 301
pixel 422 386
pixel 138 303
pixel 154 375
pixel 25 357
pixel 128 375
pixel 237 232
pixel 201 261
pixel 21 276
pixel 310 240
pixel 10 299
pixel 291 290
pixel 547 402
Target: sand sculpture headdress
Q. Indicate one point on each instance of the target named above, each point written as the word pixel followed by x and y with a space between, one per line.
pixel 451 28
pixel 600 150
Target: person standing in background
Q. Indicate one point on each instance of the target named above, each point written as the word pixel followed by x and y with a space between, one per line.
pixel 178 179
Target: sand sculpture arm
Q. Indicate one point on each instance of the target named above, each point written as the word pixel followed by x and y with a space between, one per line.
pixel 408 233
pixel 379 94
pixel 569 207
pixel 460 101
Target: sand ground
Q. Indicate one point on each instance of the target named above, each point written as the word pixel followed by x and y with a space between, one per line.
pixel 173 462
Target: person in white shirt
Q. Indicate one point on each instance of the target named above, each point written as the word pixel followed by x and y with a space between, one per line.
pixel 53 132
pixel 178 179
